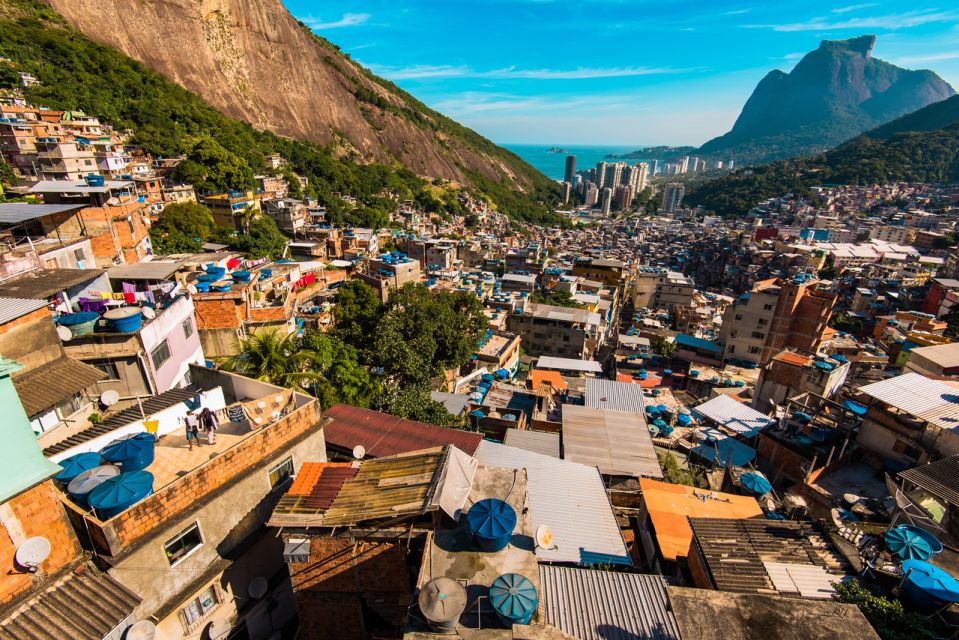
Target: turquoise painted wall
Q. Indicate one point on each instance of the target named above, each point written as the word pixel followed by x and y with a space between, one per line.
pixel 22 464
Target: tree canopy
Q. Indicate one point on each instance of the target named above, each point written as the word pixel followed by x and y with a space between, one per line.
pixel 181 228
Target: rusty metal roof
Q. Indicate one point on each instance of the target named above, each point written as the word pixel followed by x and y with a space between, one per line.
pixel 378 490
pixel 84 604
pixel 383 434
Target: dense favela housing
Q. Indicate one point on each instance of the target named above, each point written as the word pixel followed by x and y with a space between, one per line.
pixel 246 414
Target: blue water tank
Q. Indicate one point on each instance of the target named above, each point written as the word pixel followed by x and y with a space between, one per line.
pixel 241 276
pixel 492 522
pixel 514 599
pixel 124 319
pixel 132 452
pixel 117 494
pixel 81 486
pixel 77 464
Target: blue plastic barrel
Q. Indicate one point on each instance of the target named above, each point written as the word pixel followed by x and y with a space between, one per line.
pixel 492 522
pixel 80 324
pixel 124 319
pixel 202 287
pixel 81 486
pixel 209 277
pixel 241 276
pixel 116 495
pixel 77 464
pixel 221 286
pixel 133 452
pixel 514 599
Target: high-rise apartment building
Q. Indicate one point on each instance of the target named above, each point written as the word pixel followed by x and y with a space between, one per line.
pixel 684 164
pixel 607 200
pixel 635 177
pixel 653 168
pixel 592 195
pixel 673 196
pixel 614 175
pixel 567 192
pixel 599 176
pixel 570 169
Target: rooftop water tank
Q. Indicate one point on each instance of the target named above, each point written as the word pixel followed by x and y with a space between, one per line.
pixel 75 465
pixel 241 276
pixel 117 494
pixel 442 601
pixel 133 452
pixel 513 598
pixel 124 319
pixel 80 324
pixel 81 486
pixel 492 522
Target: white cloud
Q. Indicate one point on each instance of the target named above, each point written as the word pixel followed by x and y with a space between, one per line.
pixel 462 71
pixel 928 57
pixel 736 12
pixel 891 22
pixel 348 20
pixel 854 7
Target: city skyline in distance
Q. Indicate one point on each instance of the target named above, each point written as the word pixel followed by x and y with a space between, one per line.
pixel 626 72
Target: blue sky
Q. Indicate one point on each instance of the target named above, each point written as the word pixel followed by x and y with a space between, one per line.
pixel 609 72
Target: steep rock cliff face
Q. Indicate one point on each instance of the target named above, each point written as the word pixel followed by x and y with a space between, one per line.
pixel 252 60
pixel 835 93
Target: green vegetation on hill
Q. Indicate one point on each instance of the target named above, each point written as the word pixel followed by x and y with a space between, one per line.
pixel 167 120
pixel 889 154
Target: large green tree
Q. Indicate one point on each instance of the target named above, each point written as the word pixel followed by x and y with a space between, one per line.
pixel 357 311
pixel 181 228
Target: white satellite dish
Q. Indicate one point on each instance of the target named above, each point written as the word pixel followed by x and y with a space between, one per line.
pixel 258 587
pixel 109 397
pixel 143 630
pixel 64 333
pixel 191 288
pixel 149 313
pixel 544 537
pixel 359 452
pixel 217 630
pixel 32 552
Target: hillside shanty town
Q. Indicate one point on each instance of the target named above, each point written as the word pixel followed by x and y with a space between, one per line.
pixel 234 415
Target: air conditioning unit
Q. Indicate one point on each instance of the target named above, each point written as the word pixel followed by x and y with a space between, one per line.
pixel 296 550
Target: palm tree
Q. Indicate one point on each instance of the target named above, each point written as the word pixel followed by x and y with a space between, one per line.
pixel 277 359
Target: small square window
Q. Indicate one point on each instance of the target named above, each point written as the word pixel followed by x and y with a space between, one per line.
pixel 182 545
pixel 188 328
pixel 199 606
pixel 281 472
pixel 160 355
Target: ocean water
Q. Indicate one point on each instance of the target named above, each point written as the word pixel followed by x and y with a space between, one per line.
pixel 554 164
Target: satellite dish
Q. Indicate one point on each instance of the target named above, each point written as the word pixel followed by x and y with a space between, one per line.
pixel 149 313
pixel 109 397
pixel 191 288
pixel 64 333
pixel 258 587
pixel 544 537
pixel 217 630
pixel 32 552
pixel 143 630
pixel 359 452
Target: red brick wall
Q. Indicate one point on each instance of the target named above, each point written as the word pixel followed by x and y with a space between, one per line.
pixel 37 512
pixel 182 494
pixel 39 314
pixel 218 313
pixel 330 588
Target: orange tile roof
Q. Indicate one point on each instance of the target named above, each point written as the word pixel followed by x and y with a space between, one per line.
pixel 671 505
pixel 790 357
pixel 308 475
pixel 539 377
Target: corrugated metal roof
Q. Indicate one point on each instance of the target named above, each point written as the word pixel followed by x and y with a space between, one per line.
pixel 618 396
pixel 917 395
pixel 69 186
pixel 13 308
pixel 44 283
pixel 150 270
pixel 600 605
pixel 535 441
pixel 568 364
pixel 617 442
pixel 150 406
pixel 53 382
pixel 940 478
pixel 15 212
pixel 570 499
pixel 84 604
pixel 384 435
pixel 734 415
